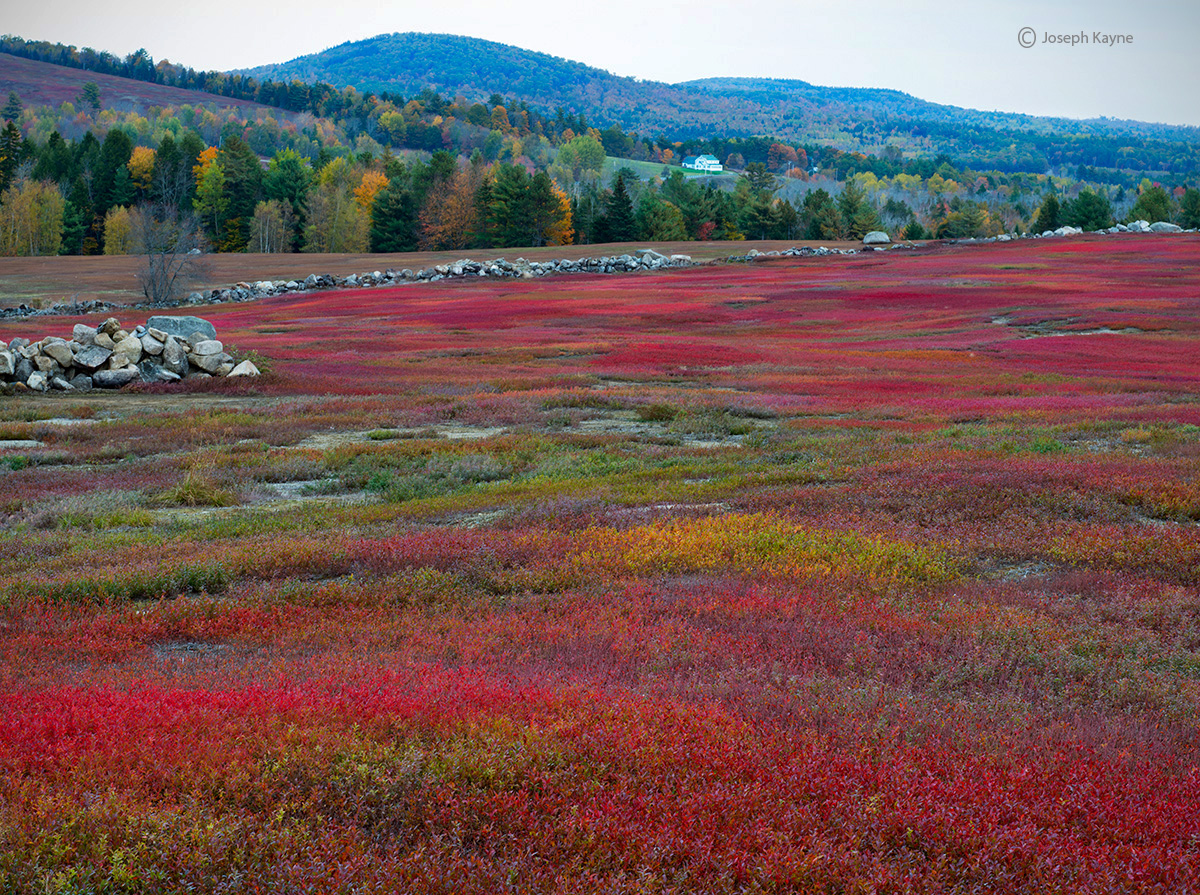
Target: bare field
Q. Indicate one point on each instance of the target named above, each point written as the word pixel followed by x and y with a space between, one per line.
pixel 39 282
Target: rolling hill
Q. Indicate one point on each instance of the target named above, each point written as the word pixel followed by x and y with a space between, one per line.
pixel 847 118
pixel 45 84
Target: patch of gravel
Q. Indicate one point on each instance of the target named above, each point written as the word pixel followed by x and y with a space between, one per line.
pixel 324 441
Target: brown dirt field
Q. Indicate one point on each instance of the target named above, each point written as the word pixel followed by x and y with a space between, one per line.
pixel 39 282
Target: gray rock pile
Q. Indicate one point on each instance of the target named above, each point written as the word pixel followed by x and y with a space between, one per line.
pixel 793 252
pixel 164 349
pixel 521 268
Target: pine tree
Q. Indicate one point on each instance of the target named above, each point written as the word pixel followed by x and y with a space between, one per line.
pixel 90 96
pixel 864 222
pixel 852 203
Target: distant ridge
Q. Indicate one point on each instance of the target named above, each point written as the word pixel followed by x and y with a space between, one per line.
pixel 847 117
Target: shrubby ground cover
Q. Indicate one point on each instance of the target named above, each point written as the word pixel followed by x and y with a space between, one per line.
pixel 868 575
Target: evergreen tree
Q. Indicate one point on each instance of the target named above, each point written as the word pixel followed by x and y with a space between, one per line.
pixel 1152 205
pixel 1049 216
pixel 1088 211
pixel 54 160
pixel 243 182
pixel 14 107
pixel 864 222
pixel 122 191
pixel 821 217
pixel 659 220
pixel 90 96
pixel 620 224
pixel 1189 209
pixel 509 218
pixel 113 157
pixel 787 221
pixel 543 207
pixel 760 179
pixel 171 183
pixel 289 179
pixel 758 218
pixel 12 153
pixel 72 231
pixel 483 236
pixel 80 200
pixel 858 217
pixel 966 219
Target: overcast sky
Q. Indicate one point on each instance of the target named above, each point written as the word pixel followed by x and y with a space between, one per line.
pixel 964 53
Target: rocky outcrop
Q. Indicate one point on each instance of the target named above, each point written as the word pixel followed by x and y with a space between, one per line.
pixel 164 349
pixel 876 238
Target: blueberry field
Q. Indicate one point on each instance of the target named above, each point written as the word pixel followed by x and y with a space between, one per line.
pixel 862 574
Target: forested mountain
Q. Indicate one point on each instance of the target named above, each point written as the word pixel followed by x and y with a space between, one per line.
pixel 850 119
pixel 879 102
pixel 98 151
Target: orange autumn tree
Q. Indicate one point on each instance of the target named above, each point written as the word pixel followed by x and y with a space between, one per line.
pixel 560 232
pixel 449 216
pixel 373 183
pixel 206 158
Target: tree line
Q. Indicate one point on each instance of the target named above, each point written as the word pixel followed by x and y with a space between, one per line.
pixel 92 195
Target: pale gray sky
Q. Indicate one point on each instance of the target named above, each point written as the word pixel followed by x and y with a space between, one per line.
pixel 963 53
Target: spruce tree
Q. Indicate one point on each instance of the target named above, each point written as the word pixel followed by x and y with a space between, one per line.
pixel 12 153
pixel 72 231
pixel 14 107
pixel 1049 216
pixel 620 223
pixel 394 220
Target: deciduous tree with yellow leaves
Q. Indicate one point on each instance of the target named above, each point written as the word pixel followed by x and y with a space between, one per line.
pixel 118 231
pixel 31 218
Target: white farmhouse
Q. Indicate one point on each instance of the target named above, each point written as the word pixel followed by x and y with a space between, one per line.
pixel 706 163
